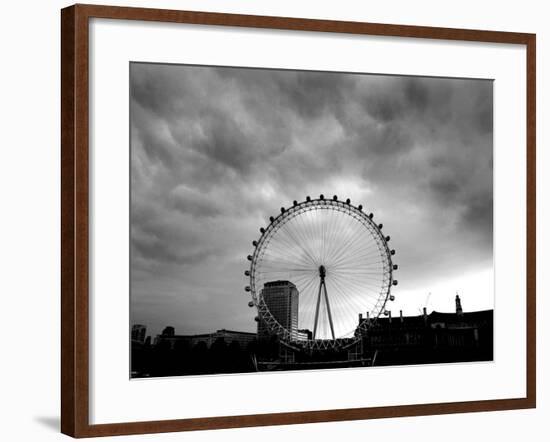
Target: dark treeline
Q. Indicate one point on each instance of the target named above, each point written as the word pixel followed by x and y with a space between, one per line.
pixel 180 358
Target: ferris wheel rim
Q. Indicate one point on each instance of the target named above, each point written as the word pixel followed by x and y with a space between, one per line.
pixel 286 215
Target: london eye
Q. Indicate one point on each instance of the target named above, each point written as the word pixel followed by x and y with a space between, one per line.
pixel 338 260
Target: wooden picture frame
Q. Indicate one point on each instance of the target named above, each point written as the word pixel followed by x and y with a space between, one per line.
pixel 75 245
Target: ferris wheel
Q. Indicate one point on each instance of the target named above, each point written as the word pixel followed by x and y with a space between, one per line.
pixel 316 268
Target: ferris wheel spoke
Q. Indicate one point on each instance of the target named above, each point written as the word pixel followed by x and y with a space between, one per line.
pixel 294 274
pixel 369 264
pixel 350 264
pixel 297 224
pixel 344 231
pixel 358 272
pixel 344 245
pixel 335 232
pixel 352 252
pixel 331 229
pixel 350 247
pixel 334 222
pixel 326 226
pixel 273 261
pixel 287 251
pixel 348 308
pixel 288 248
pixel 357 284
pixel 376 270
pixel 309 221
pixel 362 285
pixel 291 256
pixel 358 246
pixel 323 237
pixel 363 282
pixel 307 291
pixel 343 311
pixel 299 244
pixel 356 257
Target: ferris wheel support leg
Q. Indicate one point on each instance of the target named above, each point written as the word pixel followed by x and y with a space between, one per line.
pixel 328 310
pixel 317 311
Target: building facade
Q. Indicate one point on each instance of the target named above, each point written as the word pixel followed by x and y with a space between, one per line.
pixel 430 338
pixel 138 332
pixel 281 298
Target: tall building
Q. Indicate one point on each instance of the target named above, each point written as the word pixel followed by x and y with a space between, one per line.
pixel 281 298
pixel 138 332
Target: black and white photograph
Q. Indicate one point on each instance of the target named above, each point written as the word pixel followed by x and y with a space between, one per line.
pixel 307 220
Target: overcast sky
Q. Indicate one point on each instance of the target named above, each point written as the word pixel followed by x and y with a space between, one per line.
pixel 216 151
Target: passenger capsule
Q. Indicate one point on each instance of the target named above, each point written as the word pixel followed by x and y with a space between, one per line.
pixel 392 298
pixel 348 201
pixel 387 238
pixel 254 243
pixel 271 219
pixel 250 304
pixel 282 210
pixel 335 198
pixel 395 282
pixel 294 203
pixel 395 266
pixel 308 198
pixel 360 207
pixel 386 313
pixel 262 230
pixel 392 252
pixel 322 196
pixel 371 215
pixel 256 319
pixel 249 257
pixel 380 226
pixel 247 272
pixel 247 288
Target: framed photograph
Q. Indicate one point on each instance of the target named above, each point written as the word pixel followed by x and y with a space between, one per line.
pixel 308 220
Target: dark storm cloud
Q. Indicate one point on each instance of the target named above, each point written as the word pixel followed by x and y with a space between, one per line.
pixel 216 151
pixel 191 201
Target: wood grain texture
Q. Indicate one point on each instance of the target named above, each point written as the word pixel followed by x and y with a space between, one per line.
pixel 75 219
pixel 68 344
pixel 531 270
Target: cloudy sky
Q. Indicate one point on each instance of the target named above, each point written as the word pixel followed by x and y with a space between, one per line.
pixel 216 151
